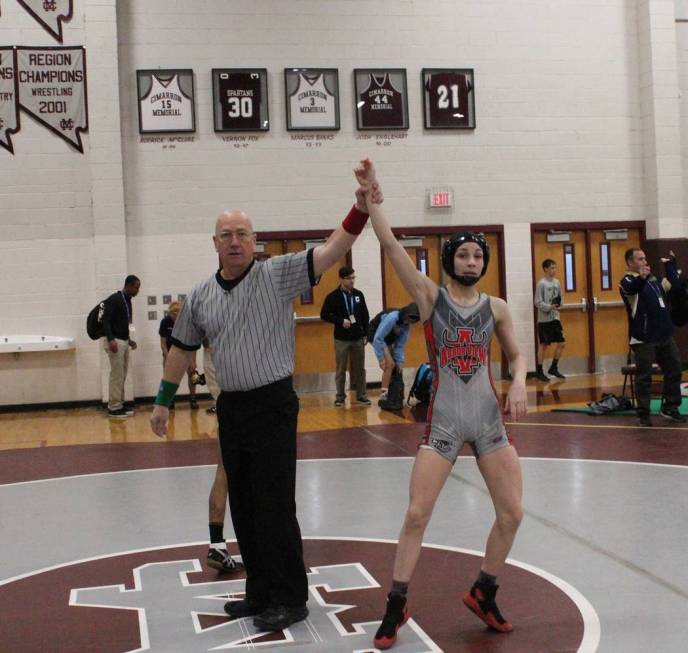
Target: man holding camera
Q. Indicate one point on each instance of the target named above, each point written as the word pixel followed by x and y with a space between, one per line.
pixel 548 302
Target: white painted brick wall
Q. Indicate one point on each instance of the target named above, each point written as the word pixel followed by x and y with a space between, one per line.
pixel 574 106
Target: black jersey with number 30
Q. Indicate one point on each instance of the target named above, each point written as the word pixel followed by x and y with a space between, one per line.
pixel 240 97
pixel 448 100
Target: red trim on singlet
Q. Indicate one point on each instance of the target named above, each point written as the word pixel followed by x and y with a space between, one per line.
pixel 496 394
pixel 432 360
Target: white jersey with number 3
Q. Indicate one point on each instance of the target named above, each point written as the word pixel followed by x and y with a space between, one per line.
pixel 312 105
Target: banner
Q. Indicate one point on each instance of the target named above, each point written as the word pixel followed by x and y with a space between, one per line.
pixel 52 89
pixel 9 97
pixel 50 13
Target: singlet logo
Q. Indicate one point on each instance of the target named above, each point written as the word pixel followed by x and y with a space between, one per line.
pixel 463 353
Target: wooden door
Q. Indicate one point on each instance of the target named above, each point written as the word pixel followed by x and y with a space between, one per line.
pixel 610 324
pixel 424 252
pixel 572 265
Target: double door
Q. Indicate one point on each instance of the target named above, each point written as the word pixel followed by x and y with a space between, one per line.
pixel 590 263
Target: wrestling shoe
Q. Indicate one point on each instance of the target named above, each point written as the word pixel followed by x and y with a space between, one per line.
pixel 222 561
pixel 481 600
pixel 396 615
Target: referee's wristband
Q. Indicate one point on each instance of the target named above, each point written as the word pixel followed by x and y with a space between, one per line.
pixel 355 221
pixel 166 393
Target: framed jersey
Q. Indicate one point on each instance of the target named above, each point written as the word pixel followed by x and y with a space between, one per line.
pixel 448 98
pixel 165 101
pixel 240 99
pixel 381 98
pixel 312 98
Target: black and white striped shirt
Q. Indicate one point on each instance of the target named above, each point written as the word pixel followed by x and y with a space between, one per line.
pixel 249 324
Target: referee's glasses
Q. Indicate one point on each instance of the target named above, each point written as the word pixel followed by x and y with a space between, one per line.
pixel 242 236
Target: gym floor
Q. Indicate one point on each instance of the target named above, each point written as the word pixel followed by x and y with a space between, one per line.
pixel 103 530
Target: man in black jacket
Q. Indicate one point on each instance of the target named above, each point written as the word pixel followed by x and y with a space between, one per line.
pixel 116 321
pixel 651 333
pixel 345 307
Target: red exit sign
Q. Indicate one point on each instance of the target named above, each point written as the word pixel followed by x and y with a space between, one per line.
pixel 440 199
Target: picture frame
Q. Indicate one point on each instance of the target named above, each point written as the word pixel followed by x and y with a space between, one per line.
pixel 448 98
pixel 381 98
pixel 240 99
pixel 166 100
pixel 312 99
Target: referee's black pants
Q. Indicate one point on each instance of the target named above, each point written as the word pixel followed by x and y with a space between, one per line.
pixel 258 441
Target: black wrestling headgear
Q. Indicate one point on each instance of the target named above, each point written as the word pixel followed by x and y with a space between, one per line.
pixel 449 250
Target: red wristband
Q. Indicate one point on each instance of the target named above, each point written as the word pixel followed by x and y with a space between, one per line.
pixel 355 221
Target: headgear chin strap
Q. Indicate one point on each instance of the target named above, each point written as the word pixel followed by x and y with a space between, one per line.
pixel 449 251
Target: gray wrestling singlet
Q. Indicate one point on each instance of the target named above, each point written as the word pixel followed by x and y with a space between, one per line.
pixel 463 405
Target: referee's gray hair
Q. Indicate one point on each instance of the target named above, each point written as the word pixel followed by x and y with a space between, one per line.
pixel 233 213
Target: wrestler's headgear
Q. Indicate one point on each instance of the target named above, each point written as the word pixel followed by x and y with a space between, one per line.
pixel 449 250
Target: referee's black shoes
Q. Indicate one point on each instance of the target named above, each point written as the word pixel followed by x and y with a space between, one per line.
pixel 243 608
pixel 280 617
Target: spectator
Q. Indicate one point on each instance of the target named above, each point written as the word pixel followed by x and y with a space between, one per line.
pixel 346 308
pixel 116 321
pixel 165 333
pixel 390 340
pixel 651 333
pixel 548 302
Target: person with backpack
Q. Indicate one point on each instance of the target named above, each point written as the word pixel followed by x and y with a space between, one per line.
pixel 116 319
pixel 459 323
pixel 389 340
pixel 345 307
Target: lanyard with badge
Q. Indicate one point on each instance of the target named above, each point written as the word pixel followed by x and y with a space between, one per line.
pixel 349 307
pixel 126 305
pixel 660 299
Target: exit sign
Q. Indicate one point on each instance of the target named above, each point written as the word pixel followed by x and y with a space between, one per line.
pixel 440 198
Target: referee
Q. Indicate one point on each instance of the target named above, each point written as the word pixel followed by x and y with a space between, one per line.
pixel 245 310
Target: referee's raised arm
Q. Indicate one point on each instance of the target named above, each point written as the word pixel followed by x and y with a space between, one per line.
pixel 342 238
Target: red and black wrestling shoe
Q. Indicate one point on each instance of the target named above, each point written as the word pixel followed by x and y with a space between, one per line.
pixel 481 600
pixel 395 617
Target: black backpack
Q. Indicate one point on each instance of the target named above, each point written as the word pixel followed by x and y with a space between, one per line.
pixel 394 399
pixel 422 384
pixel 94 322
pixel 375 323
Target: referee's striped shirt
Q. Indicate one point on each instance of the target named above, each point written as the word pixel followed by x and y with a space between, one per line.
pixel 249 322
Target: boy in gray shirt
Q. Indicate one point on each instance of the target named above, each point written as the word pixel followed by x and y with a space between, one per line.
pixel 548 302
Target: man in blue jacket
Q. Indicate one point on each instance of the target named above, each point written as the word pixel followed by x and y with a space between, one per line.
pixel 390 340
pixel 651 333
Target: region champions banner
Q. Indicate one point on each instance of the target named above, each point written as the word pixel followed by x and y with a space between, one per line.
pixel 50 13
pixel 9 97
pixel 52 89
